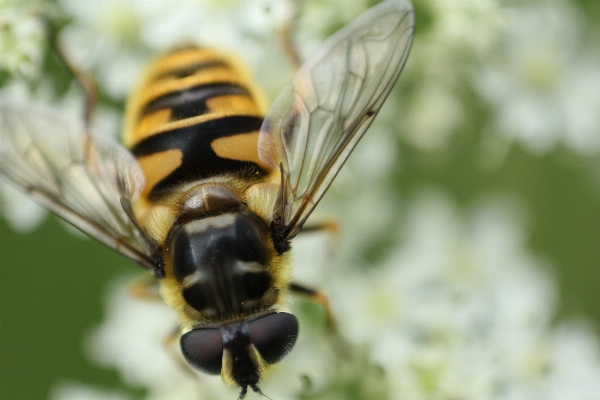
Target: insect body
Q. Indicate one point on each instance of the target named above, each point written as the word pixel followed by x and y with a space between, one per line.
pixel 208 191
pixel 193 127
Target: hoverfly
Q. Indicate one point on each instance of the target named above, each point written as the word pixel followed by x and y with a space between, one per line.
pixel 207 191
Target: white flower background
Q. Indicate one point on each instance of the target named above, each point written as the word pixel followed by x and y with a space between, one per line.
pixel 468 260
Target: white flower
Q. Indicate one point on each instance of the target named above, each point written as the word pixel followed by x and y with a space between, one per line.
pixel 320 18
pixel 116 39
pixel 575 340
pixel 74 391
pixel 21 38
pixel 22 213
pixel 459 310
pixel 546 90
pixel 445 52
pixel 104 38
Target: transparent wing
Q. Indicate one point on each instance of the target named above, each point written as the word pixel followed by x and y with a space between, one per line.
pixel 87 180
pixel 317 120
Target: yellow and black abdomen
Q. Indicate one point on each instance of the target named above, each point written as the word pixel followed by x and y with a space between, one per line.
pixel 195 116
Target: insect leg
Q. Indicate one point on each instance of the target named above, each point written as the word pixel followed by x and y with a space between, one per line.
pixel 83 78
pixel 145 287
pixel 329 226
pixel 319 298
pixel 339 343
pixel 285 34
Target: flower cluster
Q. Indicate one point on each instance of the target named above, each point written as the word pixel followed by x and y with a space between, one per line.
pixel 21 38
pixel 432 280
pixel 459 310
pixel 544 83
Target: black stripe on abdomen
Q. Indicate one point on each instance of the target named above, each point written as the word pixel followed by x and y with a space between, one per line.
pixel 199 161
pixel 191 102
pixel 187 70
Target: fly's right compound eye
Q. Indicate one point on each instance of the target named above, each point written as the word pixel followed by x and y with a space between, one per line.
pixel 274 335
pixel 203 349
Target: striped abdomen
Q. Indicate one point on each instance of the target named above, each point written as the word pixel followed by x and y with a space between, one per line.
pixel 195 116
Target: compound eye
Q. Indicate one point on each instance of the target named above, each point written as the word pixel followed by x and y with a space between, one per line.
pixel 273 335
pixel 203 349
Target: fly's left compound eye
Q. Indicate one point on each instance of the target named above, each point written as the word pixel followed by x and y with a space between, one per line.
pixel 273 335
pixel 203 349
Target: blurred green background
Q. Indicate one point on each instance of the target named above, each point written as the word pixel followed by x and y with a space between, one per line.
pixel 52 283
